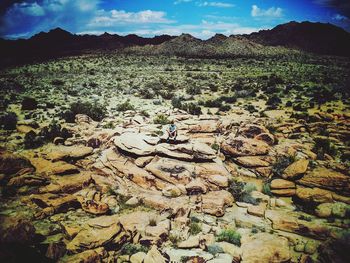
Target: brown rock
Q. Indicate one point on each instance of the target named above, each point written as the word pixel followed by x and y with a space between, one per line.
pixel 295 169
pixel 284 192
pixel 282 184
pixel 215 202
pixel 252 161
pixel 240 146
pixel 12 163
pixel 88 256
pixel 265 248
pixel 316 195
pixel 328 179
pixel 16 230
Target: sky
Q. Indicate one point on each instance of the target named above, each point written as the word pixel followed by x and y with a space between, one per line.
pixel 201 18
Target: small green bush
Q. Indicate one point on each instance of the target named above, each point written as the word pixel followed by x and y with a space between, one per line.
pixel 161 119
pixel 241 192
pixel 281 164
pixel 126 105
pixel 230 236
pixel 266 189
pixel 130 249
pixel 94 110
pixel 324 146
pixel 193 90
pixel 29 103
pixel 215 249
pixel 195 228
pixel 8 121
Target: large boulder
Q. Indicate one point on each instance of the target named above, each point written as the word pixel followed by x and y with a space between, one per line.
pixel 240 146
pixel 16 230
pixel 283 187
pixel 97 232
pixel 265 248
pixel 136 143
pixel 171 171
pixel 296 169
pixel 68 152
pixel 253 161
pixel 294 223
pixel 190 151
pixel 67 183
pixel 12 163
pixel 215 202
pixel 88 256
pixel 328 179
pixel 314 195
pixel 257 132
pixel 153 256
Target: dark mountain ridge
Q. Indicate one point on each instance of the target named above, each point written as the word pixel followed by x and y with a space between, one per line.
pixel 319 38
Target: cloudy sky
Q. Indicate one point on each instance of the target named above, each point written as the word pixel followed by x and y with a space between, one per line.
pixel 22 19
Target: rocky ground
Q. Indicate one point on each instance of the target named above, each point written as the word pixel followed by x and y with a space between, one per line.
pixel 247 180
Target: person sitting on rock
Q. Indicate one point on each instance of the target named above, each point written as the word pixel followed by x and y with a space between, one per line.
pixel 172 132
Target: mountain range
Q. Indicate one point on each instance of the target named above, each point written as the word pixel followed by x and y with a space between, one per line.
pixel 292 37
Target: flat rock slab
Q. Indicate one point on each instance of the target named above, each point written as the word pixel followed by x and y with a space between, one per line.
pixel 327 179
pixel 190 151
pixel 136 143
pixel 240 146
pixel 68 152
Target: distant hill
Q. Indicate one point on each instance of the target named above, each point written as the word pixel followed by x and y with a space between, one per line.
pixel 58 42
pixel 320 38
pixel 219 46
pixel 325 39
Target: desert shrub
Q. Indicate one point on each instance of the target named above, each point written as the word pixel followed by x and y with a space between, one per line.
pixel 94 110
pixel 177 102
pixel 195 228
pixel 266 189
pixel 215 146
pixel 8 121
pixel 215 249
pixel 224 108
pixel 29 103
pixel 274 79
pixel 174 239
pixel 165 94
pixel 305 218
pixel 241 192
pixel 215 103
pixel 161 119
pixel 192 108
pixel 130 249
pixel 53 130
pixel 229 99
pixel 147 93
pixel 144 113
pixel 213 87
pixel 126 105
pixel 250 108
pixel 57 82
pixel 274 100
pixel 32 140
pixel 324 146
pixel 193 90
pixel 281 164
pixel 230 236
pixel 289 103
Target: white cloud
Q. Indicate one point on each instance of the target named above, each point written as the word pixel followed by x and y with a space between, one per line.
pixel 203 30
pixel 116 17
pixel 182 1
pixel 272 12
pixel 30 9
pixel 340 17
pixel 216 4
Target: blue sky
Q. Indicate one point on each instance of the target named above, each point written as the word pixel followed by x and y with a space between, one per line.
pixel 22 19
